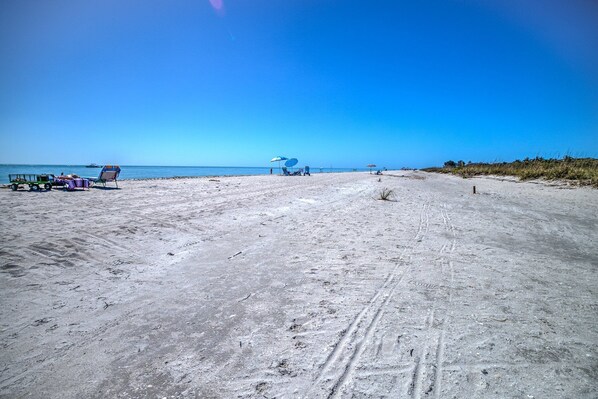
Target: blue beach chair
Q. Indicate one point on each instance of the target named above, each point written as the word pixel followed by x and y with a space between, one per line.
pixel 286 172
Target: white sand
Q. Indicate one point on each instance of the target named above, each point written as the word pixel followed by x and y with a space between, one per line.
pixel 275 286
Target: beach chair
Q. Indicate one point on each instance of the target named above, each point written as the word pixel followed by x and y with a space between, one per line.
pixel 306 173
pixel 286 172
pixel 108 173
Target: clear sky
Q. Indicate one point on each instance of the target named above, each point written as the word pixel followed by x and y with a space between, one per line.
pixel 334 83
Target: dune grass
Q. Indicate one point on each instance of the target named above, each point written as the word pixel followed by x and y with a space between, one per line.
pixel 386 194
pixel 582 171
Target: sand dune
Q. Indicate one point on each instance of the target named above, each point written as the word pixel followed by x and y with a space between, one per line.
pixel 305 287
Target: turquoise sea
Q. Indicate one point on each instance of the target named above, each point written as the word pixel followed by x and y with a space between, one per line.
pixel 149 172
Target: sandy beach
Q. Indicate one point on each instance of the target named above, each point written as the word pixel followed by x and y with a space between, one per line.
pixel 300 287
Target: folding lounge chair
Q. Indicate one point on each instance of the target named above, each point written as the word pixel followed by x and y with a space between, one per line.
pixel 285 171
pixel 108 173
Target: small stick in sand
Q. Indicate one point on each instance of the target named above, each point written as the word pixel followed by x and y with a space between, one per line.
pixel 474 189
pixel 242 299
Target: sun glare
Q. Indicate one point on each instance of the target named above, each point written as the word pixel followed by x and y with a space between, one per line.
pixel 218 6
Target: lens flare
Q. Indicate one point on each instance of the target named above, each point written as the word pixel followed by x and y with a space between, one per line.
pixel 218 6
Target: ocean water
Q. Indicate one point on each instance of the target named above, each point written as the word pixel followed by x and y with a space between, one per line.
pixel 149 172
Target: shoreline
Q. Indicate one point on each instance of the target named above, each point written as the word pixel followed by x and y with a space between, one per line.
pixel 560 183
pixel 7 185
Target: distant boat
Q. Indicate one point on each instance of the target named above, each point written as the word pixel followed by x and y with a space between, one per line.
pixel 92 165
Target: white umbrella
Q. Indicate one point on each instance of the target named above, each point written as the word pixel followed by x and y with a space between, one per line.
pixel 278 159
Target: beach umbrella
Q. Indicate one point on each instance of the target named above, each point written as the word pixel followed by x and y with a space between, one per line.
pixel 278 159
pixel 291 162
pixel 371 165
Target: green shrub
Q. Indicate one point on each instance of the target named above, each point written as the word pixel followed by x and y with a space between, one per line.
pixel 583 171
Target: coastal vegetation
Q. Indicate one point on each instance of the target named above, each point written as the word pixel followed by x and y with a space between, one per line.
pixel 386 194
pixel 582 171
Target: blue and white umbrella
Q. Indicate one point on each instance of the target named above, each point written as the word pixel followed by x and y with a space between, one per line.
pixel 278 159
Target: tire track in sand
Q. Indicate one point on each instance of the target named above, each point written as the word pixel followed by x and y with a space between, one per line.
pixel 350 347
pixel 431 372
pixel 437 380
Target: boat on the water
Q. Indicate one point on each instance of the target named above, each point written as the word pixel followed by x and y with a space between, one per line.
pixel 93 165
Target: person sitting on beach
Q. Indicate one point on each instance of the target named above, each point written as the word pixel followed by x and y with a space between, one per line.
pixel 68 177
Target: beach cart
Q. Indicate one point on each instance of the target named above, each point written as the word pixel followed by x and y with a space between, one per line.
pixel 35 182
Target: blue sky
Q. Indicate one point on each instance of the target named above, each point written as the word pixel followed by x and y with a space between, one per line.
pixel 333 83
